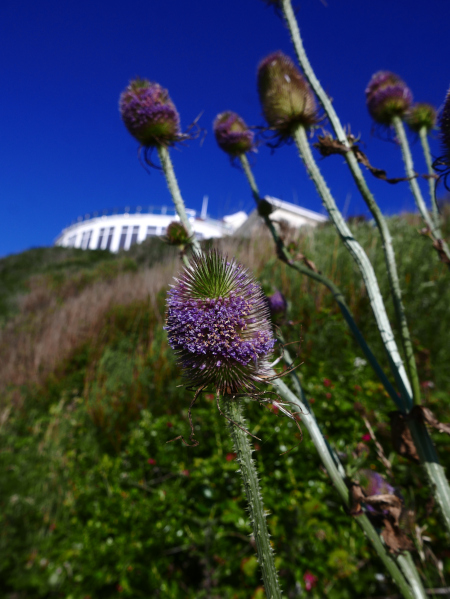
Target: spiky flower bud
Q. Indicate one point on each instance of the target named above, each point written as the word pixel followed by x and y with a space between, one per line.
pixel 286 98
pixel 277 305
pixel 218 324
pixel 177 235
pixel 421 115
pixel 232 134
pixel 374 484
pixel 444 124
pixel 387 96
pixel 149 114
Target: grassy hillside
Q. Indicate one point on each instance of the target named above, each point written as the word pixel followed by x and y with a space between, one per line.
pixel 95 503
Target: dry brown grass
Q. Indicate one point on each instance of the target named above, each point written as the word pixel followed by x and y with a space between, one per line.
pixel 47 330
pixel 52 324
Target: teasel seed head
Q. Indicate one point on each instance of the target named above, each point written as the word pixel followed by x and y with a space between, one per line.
pixel 218 325
pixel 387 96
pixel 444 125
pixel 277 306
pixel 177 235
pixel 421 115
pixel 374 483
pixel 286 98
pixel 232 134
pixel 149 114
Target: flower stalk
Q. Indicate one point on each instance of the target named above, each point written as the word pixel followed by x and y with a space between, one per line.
pixel 415 189
pixel 365 192
pixel 334 469
pixel 320 278
pixel 172 184
pixel 300 404
pixel 425 446
pixel 364 265
pixel 427 452
pixel 218 326
pixel 233 410
pixel 423 136
pixel 298 400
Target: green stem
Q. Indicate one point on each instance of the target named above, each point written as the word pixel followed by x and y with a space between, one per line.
pixel 172 184
pixel 249 475
pixel 433 469
pixel 328 457
pixel 424 444
pixel 334 470
pixel 365 193
pixel 414 186
pixel 320 278
pixel 361 259
pixel 423 134
pixel 406 563
pixel 292 24
pixel 391 267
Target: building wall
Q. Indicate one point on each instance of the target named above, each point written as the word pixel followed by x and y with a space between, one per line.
pixel 295 216
pixel 116 232
pixel 120 231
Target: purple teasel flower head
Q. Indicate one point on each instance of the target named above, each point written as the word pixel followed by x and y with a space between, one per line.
pixel 442 163
pixel 421 115
pixel 277 305
pixel 218 325
pixel 287 100
pixel 149 114
pixel 387 96
pixel 374 484
pixel 444 125
pixel 177 235
pixel 232 134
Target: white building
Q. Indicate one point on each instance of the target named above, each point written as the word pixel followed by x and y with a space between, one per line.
pixel 291 214
pixel 120 229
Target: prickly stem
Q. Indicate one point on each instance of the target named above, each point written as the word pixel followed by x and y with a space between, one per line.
pixel 233 410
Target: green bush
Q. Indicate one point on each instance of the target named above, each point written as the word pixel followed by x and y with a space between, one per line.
pixel 95 502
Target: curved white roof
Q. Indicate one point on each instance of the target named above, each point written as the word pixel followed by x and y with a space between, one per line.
pixel 119 229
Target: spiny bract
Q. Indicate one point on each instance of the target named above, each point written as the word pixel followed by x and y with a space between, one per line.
pixel 286 98
pixel 232 134
pixel 387 96
pixel 218 325
pixel 149 114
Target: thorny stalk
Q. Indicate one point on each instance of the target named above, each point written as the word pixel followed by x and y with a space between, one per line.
pixel 233 411
pixel 366 194
pixel 434 229
pixel 172 184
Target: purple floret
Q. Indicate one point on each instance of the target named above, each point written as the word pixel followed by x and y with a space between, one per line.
pixel 232 134
pixel 214 328
pixel 444 123
pixel 217 323
pixel 149 114
pixel 376 485
pixel 277 304
pixel 387 96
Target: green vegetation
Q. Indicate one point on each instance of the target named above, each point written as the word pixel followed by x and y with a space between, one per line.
pixel 96 504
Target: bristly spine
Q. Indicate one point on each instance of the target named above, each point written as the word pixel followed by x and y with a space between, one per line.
pixel 218 325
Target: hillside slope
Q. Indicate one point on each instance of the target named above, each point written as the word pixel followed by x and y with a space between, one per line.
pixel 96 504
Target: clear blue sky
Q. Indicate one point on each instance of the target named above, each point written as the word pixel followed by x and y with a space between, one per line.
pixel 64 151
